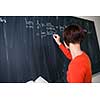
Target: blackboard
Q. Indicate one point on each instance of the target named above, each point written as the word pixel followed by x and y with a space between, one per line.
pixel 27 49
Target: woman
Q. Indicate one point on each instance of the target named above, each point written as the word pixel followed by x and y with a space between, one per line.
pixel 79 69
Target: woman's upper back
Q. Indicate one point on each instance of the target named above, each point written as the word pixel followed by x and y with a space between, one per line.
pixel 79 69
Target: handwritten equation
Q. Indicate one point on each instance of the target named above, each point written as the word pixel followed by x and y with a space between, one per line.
pixel 43 29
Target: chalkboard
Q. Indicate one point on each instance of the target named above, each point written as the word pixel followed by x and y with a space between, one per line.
pixel 27 49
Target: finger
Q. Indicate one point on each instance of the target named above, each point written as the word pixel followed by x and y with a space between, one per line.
pixel 54 36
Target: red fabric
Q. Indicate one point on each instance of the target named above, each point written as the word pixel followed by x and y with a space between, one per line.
pixel 79 69
pixel 65 51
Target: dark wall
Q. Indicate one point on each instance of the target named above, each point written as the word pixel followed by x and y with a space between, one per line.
pixel 27 49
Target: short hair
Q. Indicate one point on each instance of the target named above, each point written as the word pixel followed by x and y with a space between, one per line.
pixel 73 34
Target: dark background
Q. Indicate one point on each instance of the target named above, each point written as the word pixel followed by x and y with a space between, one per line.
pixel 27 49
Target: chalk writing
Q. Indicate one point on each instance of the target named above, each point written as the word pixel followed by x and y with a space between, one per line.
pixel 61 28
pixel 43 29
pixel 3 20
pixel 29 23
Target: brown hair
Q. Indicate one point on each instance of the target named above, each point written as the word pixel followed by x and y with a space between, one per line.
pixel 73 34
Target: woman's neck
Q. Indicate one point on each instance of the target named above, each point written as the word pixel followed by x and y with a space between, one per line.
pixel 75 50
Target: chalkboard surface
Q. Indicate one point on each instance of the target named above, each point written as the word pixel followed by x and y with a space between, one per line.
pixel 27 49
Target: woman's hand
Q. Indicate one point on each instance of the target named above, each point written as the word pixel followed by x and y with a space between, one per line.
pixel 57 38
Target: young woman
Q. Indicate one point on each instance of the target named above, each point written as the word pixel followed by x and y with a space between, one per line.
pixel 79 69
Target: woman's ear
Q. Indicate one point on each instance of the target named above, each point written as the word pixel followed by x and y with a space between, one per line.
pixel 66 45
